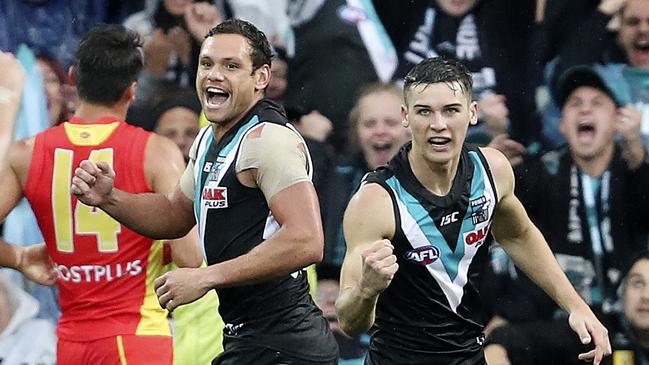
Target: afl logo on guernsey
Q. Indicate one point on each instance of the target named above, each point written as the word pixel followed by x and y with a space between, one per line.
pixel 423 255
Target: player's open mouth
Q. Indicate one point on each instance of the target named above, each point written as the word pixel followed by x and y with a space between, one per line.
pixel 215 97
pixel 439 141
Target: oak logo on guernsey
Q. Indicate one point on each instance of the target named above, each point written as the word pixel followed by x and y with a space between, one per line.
pixel 476 237
pixel 215 196
pixel 422 255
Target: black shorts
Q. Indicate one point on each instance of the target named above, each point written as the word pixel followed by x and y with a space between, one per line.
pixel 254 355
pixel 539 342
pixel 388 357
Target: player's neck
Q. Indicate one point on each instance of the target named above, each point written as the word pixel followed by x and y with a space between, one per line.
pixel 435 177
pixel 88 112
pixel 220 128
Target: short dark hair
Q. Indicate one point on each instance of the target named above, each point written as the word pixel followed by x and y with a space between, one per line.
pixel 260 50
pixel 108 60
pixel 439 69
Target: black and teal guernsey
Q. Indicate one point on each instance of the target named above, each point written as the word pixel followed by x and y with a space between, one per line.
pixel 431 312
pixel 232 220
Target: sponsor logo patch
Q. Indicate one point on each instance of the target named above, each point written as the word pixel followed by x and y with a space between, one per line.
pixel 476 237
pixel 214 196
pixel 422 255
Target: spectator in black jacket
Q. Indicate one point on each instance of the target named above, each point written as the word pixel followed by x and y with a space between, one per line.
pixel 589 200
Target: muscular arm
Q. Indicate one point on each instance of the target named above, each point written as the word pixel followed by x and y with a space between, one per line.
pixel 33 261
pixel 11 194
pixel 525 244
pixel 297 244
pixel 11 89
pixel 523 241
pixel 155 215
pixel 367 245
pixel 164 166
pixel 282 177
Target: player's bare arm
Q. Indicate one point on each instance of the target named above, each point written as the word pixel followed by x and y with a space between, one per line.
pixel 293 202
pixel 525 244
pixel 11 89
pixel 297 244
pixel 33 261
pixel 369 264
pixel 155 215
pixel 163 166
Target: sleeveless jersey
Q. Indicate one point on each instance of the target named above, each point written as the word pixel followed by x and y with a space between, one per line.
pixel 432 306
pixel 232 220
pixel 105 270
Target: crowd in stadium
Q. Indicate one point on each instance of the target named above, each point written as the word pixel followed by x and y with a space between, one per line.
pixel 205 182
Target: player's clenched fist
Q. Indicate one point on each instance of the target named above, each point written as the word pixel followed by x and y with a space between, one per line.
pixel 93 183
pixel 379 267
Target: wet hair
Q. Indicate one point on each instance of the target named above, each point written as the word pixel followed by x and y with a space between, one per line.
pixel 108 61
pixel 436 70
pixel 260 50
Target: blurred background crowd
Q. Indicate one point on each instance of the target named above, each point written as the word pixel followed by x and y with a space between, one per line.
pixel 338 70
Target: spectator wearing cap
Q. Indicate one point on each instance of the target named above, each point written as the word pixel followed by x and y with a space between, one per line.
pixel 612 35
pixel 589 199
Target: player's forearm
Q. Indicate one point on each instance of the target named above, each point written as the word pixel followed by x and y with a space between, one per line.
pixel 8 114
pixel 149 214
pixel 185 251
pixel 355 308
pixel 532 255
pixel 284 253
pixel 9 255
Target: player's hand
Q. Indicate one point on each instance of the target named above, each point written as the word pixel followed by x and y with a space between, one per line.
pixel 200 18
pixel 513 150
pixel 35 263
pixel 379 267
pixel 13 78
pixel 178 287
pixel 93 183
pixel 157 52
pixel 591 331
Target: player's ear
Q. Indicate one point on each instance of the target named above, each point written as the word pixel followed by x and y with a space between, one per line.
pixel 129 93
pixel 404 116
pixel 262 77
pixel 72 76
pixel 473 113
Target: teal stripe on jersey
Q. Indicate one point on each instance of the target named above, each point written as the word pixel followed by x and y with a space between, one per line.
pixel 222 153
pixel 450 258
pixel 199 177
pixel 237 137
